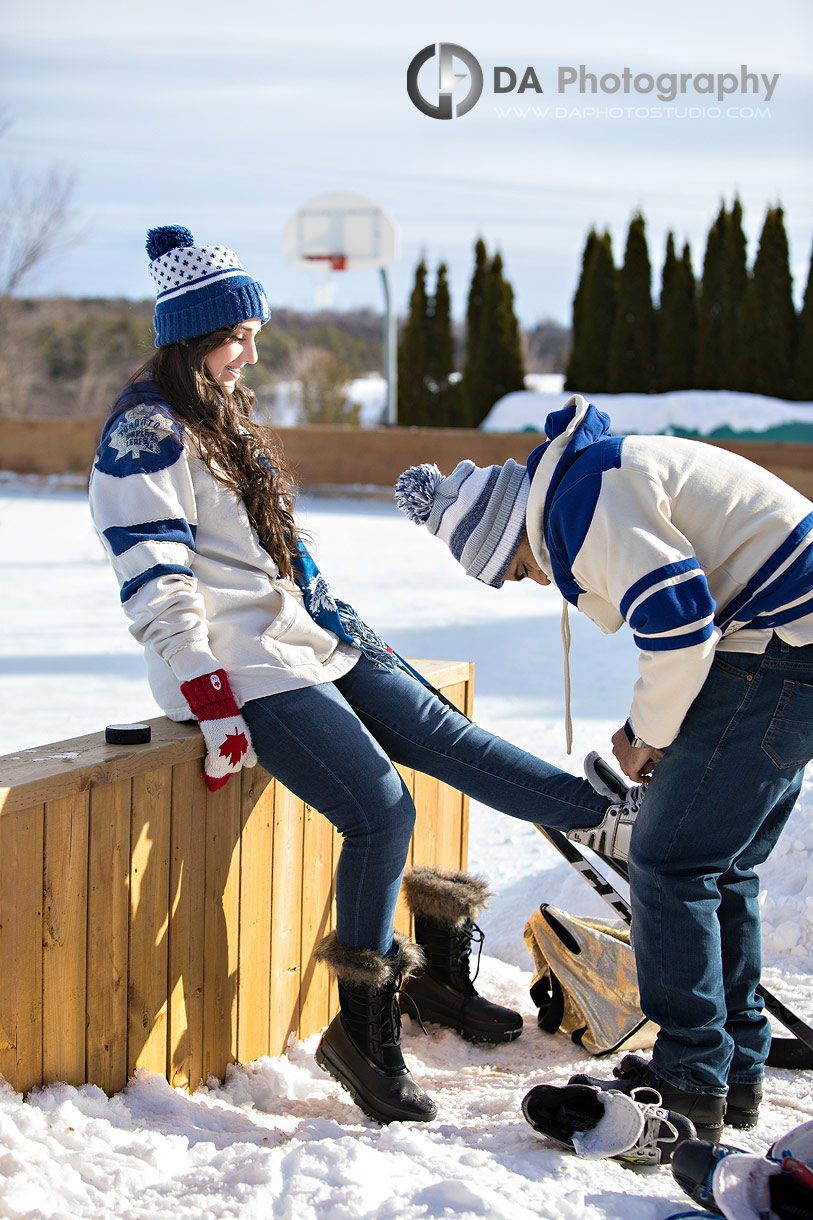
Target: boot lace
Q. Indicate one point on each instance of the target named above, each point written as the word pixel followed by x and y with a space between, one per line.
pixel 470 934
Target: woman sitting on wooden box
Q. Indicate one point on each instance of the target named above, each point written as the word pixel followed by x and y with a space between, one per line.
pixel 194 504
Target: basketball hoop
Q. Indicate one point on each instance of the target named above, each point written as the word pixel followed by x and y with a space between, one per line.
pixel 338 262
pixel 343 232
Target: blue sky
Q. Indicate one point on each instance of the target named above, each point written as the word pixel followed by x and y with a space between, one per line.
pixel 227 120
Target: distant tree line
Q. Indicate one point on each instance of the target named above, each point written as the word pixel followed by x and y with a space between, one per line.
pixel 80 352
pixel 431 392
pixel 735 329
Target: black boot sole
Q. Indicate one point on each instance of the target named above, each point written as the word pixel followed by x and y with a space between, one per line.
pixel 438 1004
pixel 478 1037
pixel 743 1120
pixel 379 1113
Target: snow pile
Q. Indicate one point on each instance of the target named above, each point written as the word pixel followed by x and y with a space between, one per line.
pixel 699 412
pixel 279 1139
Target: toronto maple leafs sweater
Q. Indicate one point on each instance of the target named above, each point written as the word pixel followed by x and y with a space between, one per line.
pixel 201 591
pixel 693 547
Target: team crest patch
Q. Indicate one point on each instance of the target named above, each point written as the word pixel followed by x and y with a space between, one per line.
pixel 144 439
pixel 142 429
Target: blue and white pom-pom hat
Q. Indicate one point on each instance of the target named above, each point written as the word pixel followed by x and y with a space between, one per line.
pixel 200 288
pixel 479 512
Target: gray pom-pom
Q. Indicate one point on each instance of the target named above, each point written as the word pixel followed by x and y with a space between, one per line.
pixel 415 491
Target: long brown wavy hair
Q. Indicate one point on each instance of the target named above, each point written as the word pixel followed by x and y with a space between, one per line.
pixel 240 454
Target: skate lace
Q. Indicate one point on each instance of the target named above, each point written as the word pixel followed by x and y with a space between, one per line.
pixel 631 802
pixel 647 1147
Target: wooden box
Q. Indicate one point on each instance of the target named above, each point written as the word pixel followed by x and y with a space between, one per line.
pixel 147 922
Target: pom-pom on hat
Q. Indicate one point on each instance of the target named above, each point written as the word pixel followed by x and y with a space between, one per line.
pixel 200 288
pixel 479 512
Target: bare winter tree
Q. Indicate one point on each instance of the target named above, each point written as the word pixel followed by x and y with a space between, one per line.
pixel 35 221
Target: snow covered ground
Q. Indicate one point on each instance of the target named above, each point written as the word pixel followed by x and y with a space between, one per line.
pixel 279 1140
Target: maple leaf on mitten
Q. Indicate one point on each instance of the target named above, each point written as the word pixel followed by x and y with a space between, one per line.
pixel 227 736
pixel 234 747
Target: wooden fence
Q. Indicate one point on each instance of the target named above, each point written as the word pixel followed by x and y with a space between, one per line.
pixel 147 922
pixel 349 456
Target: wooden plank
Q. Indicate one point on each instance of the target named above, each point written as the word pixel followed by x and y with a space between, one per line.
pixel 425 835
pixel 65 939
pixel 333 990
pixel 256 871
pixel 44 773
pixel 449 827
pixel 21 952
pixel 147 1000
pixel 107 942
pixel 221 929
pixel 451 803
pixel 403 918
pixel 466 706
pixel 289 816
pixel 187 866
pixel 316 902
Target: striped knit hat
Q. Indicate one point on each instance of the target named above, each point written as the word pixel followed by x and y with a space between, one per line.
pixel 200 288
pixel 478 512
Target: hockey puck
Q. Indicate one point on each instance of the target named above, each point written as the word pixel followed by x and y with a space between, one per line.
pixel 127 734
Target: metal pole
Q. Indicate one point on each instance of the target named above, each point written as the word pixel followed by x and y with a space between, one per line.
pixel 390 351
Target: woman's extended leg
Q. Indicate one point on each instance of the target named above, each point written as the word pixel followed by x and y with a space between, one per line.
pixel 417 729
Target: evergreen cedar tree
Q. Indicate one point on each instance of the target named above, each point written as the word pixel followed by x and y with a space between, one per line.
pixel 428 395
pixel 732 330
pixel 677 321
pixel 594 309
pixel 632 343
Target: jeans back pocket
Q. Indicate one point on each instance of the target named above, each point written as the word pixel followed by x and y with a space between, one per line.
pixel 788 741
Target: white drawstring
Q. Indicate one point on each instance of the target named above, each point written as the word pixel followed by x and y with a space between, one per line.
pixel 566 648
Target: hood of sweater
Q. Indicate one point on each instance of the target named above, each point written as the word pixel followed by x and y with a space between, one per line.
pixel 560 508
pixel 565 474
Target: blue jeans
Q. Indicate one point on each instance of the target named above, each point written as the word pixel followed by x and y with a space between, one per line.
pixel 715 808
pixel 332 744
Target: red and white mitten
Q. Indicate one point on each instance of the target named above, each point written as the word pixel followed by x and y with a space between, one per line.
pixel 228 741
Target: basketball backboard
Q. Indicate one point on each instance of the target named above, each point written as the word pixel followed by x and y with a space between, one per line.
pixel 342 232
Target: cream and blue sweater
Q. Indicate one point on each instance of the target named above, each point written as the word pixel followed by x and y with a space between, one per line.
pixel 695 548
pixel 199 588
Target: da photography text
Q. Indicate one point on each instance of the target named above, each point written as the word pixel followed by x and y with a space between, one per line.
pixel 444 95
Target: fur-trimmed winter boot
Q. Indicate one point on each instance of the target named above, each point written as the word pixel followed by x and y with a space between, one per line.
pixel 361 1048
pixel 445 904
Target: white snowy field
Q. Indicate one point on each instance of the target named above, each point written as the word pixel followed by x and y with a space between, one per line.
pixel 279 1140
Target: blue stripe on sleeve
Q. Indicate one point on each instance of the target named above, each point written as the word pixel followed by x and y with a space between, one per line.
pixel 788 615
pixel 734 610
pixel 671 643
pixel 674 606
pixel 122 537
pixel 654 578
pixel 161 569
